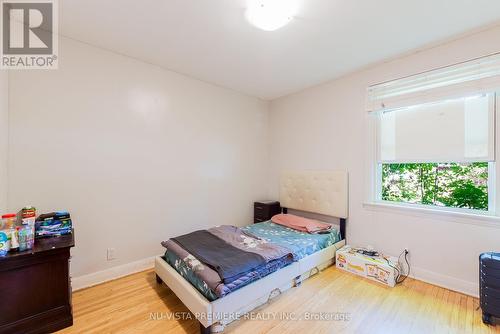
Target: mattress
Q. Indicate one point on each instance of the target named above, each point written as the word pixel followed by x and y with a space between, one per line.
pixel 301 245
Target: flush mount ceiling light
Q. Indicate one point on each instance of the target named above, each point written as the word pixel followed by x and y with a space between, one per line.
pixel 271 15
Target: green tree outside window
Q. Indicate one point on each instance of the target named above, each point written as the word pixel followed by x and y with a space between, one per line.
pixel 458 185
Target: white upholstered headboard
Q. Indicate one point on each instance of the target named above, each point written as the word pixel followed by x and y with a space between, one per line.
pixel 323 192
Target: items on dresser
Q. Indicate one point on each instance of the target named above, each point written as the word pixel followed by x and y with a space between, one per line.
pixel 26 236
pixel 14 242
pixel 26 232
pixel 17 231
pixel 265 210
pixel 14 236
pixel 8 234
pixel 53 224
pixel 4 243
pixel 382 269
pixel 8 221
pixel 28 216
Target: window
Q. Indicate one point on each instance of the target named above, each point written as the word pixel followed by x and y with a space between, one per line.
pixel 458 185
pixel 438 153
pixel 435 137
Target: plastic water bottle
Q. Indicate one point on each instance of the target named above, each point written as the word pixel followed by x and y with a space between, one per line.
pixel 4 243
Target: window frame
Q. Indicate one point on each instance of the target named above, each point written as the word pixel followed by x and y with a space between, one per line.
pixel 493 172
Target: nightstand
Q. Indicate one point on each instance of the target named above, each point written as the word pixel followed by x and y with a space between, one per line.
pixel 265 210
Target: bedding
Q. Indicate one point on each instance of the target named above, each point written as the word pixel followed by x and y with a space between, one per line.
pixel 185 261
pixel 279 245
pixel 301 223
pixel 301 244
pixel 202 278
pixel 248 242
pixel 229 237
pixel 230 262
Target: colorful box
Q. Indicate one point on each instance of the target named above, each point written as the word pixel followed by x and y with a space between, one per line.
pixel 379 269
pixel 53 224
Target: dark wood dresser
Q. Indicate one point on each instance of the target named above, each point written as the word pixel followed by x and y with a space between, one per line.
pixel 265 210
pixel 35 288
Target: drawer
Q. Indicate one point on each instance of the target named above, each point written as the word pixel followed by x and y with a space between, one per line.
pixel 266 207
pixel 265 215
pixel 261 208
pixel 261 213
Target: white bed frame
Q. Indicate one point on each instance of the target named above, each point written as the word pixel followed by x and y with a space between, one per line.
pixel 322 192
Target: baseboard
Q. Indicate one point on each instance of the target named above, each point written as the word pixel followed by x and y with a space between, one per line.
pixel 102 276
pixel 448 282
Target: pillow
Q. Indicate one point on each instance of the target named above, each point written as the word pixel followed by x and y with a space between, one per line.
pixel 300 223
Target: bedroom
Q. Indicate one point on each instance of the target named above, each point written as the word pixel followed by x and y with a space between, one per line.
pixel 156 119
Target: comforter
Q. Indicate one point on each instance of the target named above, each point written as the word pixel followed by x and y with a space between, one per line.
pixel 225 258
pixel 279 245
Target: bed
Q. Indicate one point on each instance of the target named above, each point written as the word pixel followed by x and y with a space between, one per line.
pixel 318 192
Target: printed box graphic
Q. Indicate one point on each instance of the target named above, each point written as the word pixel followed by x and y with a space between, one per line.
pixel 374 268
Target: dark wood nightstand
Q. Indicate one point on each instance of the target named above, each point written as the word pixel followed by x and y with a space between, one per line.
pixel 265 210
pixel 35 287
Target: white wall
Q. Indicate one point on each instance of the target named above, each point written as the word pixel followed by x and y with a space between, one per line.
pixel 326 127
pixel 136 153
pixel 4 139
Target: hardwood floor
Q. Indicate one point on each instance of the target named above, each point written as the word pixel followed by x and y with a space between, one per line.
pixel 126 305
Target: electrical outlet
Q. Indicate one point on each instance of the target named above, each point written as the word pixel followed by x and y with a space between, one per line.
pixel 111 254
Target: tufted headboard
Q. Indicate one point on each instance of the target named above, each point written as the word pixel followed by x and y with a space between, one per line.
pixel 323 192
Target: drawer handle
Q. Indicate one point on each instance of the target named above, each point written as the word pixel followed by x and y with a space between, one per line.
pixel 259 207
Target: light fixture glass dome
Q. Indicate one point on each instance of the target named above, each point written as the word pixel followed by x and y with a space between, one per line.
pixel 271 15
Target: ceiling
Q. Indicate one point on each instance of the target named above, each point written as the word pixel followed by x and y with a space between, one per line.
pixel 212 41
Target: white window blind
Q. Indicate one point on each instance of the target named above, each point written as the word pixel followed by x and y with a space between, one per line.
pixel 457 130
pixel 469 78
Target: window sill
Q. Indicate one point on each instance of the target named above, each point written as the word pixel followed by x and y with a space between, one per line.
pixel 487 220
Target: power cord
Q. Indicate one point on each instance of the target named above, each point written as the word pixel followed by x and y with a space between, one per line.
pixel 399 276
pixel 402 278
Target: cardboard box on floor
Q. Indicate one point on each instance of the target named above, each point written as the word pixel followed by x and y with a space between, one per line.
pixel 379 269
